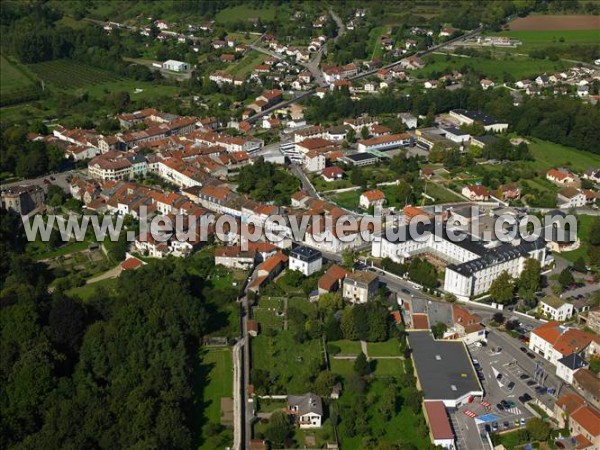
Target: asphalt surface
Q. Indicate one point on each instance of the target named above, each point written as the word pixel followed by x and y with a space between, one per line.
pixel 59 179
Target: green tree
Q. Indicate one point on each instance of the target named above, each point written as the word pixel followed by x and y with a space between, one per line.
pixel 348 324
pixel 579 265
pixel 348 258
pixel 324 383
pixel 361 365
pixel 279 428
pixel 331 302
pixel 529 281
pixel 565 278
pixel 438 330
pixel 364 132
pixel 502 288
pixel 538 429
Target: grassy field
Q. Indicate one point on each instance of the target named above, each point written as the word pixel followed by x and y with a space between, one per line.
pixel 516 66
pixel 347 347
pixel 245 66
pixel 292 363
pixel 548 155
pixel 441 194
pixel 216 377
pixel 387 348
pixel 220 380
pixel 583 232
pixel 539 39
pixel 245 12
pixel 86 291
pixel 348 199
pixel 17 83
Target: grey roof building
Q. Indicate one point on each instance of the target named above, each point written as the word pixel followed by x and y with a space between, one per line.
pixel 444 369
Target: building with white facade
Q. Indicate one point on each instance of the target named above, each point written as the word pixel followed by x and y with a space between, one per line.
pixel 473 264
pixel 305 260
pixel 176 66
pixel 386 142
pixel 466 117
pixel 555 308
pixel 360 286
pixel 307 410
pixel 568 365
pixel 553 341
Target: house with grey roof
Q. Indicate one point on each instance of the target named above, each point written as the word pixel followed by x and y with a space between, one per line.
pixel 307 410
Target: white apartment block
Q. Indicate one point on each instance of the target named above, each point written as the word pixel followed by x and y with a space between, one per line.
pixel 305 260
pixel 472 265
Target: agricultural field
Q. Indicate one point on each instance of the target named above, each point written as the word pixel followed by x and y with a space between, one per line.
pixel 65 74
pixel 532 40
pixel 538 22
pixel 548 155
pixel 506 68
pixel 245 12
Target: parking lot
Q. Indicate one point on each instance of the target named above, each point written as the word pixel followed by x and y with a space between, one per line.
pixel 507 374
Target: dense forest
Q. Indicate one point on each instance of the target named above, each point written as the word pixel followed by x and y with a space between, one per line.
pixel 118 370
pixel 563 120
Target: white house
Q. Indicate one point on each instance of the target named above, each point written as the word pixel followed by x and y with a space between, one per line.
pixel 306 260
pixel 374 197
pixel 409 120
pixel 568 365
pixel 314 161
pixel 556 308
pixel 176 66
pixel 553 341
pixel 570 197
pixel 306 409
pixel 476 192
pixel 360 286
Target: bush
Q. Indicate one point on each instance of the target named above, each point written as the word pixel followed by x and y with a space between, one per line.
pixel 333 349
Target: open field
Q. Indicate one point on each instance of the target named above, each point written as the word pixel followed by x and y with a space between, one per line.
pixel 348 200
pixel 441 194
pixel 347 347
pixel 511 66
pixel 245 12
pixel 66 74
pixel 556 22
pixel 86 291
pixel 583 232
pixel 548 155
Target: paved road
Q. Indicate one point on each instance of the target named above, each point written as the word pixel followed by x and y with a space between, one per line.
pixel 237 395
pixel 306 184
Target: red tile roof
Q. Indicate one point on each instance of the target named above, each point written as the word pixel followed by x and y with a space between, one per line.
pixel 438 420
pixel 588 418
pixel 374 195
pixel 131 264
pixel 420 322
pixel 333 275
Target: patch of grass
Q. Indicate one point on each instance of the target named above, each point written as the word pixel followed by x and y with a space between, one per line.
pixel 220 381
pixel 347 347
pixel 583 232
pixel 17 83
pixel 548 155
pixel 348 200
pixel 387 348
pixel 518 67
pixel 291 363
pixel 442 194
pixel 37 249
pixel 245 66
pixel 388 367
pixel 343 367
pixel 245 12
pixel 86 291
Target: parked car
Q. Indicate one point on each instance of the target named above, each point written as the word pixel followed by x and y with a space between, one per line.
pixel 531 383
pixel 523 349
pixel 504 404
pixel 511 404
pixel 523 376
pixel 506 425
pixel 495 426
pixel 487 428
pixel 522 421
pixel 511 385
pixel 531 355
pixel 500 407
pixel 499 377
pixel 527 397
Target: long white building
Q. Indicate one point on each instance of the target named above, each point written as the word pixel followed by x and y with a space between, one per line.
pixel 472 265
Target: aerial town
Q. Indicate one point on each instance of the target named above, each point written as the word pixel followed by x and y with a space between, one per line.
pixel 298 225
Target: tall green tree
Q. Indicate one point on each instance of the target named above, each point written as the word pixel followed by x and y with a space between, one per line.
pixel 502 288
pixel 529 280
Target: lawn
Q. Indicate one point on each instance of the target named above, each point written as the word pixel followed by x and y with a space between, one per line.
pixel 518 67
pixel 246 12
pixel 219 380
pixel 387 348
pixel 583 232
pixel 347 347
pixel 216 378
pixel 39 252
pixel 289 362
pixel 442 194
pixel 348 199
pixel 388 367
pixel 343 367
pixel 548 155
pixel 245 66
pixel 13 76
pixel 86 291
